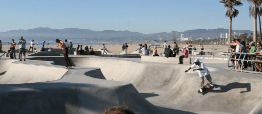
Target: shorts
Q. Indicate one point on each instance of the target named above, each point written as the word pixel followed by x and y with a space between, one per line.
pixel 22 50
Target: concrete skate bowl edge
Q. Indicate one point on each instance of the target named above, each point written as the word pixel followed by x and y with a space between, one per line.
pixel 12 72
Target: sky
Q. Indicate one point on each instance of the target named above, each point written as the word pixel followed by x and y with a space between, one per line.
pixel 145 16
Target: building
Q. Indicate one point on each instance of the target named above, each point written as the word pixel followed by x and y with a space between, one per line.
pixel 184 39
pixel 199 38
pixel 226 35
pixel 182 36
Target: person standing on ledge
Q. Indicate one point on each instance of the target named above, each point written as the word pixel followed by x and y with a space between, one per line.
pixel 65 52
pixel 43 46
pixel 104 48
pixel 31 46
pixel 202 72
pixel 12 48
pixel 21 43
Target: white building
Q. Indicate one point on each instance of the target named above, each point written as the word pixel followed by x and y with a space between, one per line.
pixel 199 38
pixel 184 39
pixel 182 36
pixel 224 35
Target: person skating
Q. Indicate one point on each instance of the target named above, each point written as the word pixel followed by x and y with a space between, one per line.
pixel 104 48
pixel 65 52
pixel 202 71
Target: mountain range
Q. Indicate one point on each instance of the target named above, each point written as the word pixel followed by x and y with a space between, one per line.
pixel 75 34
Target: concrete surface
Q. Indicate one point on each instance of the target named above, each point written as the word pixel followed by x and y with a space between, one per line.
pixel 18 72
pixel 97 83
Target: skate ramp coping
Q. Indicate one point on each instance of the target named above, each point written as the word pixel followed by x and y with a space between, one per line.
pixel 188 60
pixel 17 72
pixel 164 59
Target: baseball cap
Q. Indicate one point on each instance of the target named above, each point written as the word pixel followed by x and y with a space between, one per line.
pixel 196 60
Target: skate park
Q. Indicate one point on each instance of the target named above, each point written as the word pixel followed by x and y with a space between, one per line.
pixel 41 84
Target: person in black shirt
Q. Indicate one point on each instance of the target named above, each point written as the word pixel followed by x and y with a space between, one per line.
pixel 168 52
pixel 123 47
pixel 92 52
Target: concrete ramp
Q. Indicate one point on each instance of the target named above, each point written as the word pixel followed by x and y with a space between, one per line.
pixel 19 72
pixel 166 85
pixel 81 90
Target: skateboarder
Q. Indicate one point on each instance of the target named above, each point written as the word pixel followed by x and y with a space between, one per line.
pixel 202 71
pixel 65 52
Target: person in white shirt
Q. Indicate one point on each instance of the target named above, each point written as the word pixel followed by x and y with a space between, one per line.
pixel 66 43
pixel 238 45
pixel 31 46
pixel 165 45
pixel 202 72
pixel 143 50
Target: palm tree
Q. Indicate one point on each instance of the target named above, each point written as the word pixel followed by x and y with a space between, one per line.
pixel 231 12
pixel 259 13
pixel 254 11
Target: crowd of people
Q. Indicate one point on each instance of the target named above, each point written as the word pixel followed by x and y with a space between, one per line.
pixel 249 52
pixel 167 51
pixel 22 48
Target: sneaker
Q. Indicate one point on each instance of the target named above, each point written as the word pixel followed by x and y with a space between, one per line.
pixel 211 84
pixel 200 90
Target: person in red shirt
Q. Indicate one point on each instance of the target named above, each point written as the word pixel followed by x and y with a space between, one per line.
pixel 183 56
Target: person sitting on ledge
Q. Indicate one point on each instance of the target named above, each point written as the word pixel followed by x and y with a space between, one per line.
pixel 258 51
pixel 183 56
pixel 155 51
pixel 92 52
pixel 87 50
pixel 168 52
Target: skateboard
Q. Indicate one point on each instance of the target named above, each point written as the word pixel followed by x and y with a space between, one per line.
pixel 205 88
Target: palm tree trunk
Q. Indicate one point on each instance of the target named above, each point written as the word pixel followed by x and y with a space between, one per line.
pixel 230 28
pixel 255 25
pixel 259 28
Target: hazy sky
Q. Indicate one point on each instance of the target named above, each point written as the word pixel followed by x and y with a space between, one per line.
pixel 145 16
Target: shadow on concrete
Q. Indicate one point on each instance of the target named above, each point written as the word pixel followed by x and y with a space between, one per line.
pixel 2 73
pixel 95 74
pixel 232 85
pixel 146 95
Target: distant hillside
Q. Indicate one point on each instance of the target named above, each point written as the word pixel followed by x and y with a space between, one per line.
pixel 48 34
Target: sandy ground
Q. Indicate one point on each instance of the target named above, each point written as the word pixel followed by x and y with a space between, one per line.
pixel 116 48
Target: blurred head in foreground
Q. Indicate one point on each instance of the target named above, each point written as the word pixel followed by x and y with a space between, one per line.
pixel 118 110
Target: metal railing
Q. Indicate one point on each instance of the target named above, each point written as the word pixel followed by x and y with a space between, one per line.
pixel 242 59
pixel 2 55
